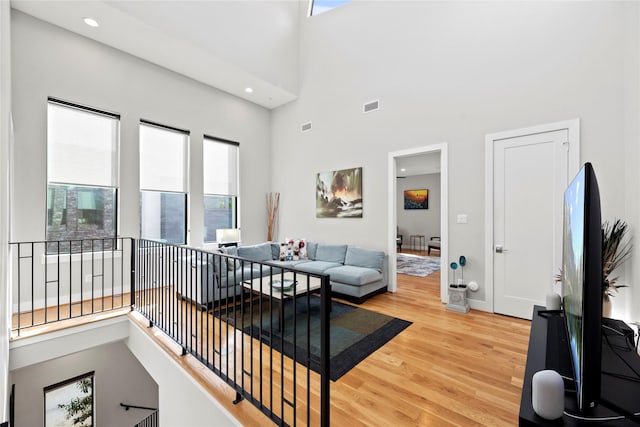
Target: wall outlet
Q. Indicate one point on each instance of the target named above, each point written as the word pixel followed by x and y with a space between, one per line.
pixel 462 219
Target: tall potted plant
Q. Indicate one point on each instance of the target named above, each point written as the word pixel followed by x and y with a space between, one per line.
pixel 615 251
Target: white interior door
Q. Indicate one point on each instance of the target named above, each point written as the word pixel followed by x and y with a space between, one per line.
pixel 530 175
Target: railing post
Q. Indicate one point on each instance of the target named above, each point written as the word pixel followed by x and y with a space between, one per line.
pixel 133 272
pixel 325 301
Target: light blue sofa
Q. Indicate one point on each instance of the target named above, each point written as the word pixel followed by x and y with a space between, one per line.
pixel 355 273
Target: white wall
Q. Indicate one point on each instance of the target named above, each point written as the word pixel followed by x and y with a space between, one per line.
pixel 130 368
pixel 183 402
pixel 452 71
pixel 119 378
pixel 632 160
pixel 5 138
pixel 418 221
pixel 50 61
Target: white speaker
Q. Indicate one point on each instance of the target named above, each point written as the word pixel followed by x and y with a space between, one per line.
pixel 553 302
pixel 547 394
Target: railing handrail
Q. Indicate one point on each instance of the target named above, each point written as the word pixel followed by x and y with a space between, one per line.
pixel 127 406
pixel 71 240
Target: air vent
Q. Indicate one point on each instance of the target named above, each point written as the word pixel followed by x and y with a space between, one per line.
pixel 371 106
pixel 306 127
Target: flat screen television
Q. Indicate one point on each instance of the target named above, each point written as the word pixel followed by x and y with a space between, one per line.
pixel 582 283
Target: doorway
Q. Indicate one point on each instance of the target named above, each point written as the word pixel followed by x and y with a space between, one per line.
pixel 527 171
pixel 393 160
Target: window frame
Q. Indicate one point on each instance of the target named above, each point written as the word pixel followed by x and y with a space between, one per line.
pixel 312 4
pixel 236 197
pixel 57 386
pixel 115 170
pixel 185 176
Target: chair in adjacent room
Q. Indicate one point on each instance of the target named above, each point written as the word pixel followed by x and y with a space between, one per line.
pixel 433 243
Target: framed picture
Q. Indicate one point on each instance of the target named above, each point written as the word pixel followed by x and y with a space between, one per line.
pixel 416 199
pixel 70 403
pixel 339 194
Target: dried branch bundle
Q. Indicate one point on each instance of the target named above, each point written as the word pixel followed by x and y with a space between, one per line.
pixel 273 202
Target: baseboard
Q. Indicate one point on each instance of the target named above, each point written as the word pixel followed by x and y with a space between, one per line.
pixel 480 305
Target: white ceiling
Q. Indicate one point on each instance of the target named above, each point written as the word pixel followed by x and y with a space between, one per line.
pixel 228 44
pixel 419 164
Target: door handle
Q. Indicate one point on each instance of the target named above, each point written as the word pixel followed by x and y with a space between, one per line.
pixel 500 249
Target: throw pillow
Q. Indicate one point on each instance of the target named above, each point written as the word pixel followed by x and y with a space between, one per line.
pixel 312 248
pixel 260 252
pixel 284 252
pixel 296 249
pixel 231 261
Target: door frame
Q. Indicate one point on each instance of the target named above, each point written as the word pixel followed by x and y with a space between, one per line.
pixel 573 165
pixel 444 212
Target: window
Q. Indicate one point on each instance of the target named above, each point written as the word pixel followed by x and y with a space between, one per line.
pixel 82 172
pixel 163 183
pixel 70 402
pixel 220 172
pixel 317 7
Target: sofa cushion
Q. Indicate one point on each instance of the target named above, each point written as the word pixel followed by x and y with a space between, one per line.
pixel 291 263
pixel 217 262
pixel 316 266
pixel 275 250
pixel 331 253
pixel 312 248
pixel 364 258
pixel 260 252
pixel 264 270
pixel 353 275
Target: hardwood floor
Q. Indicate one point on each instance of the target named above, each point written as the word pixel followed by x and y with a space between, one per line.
pixel 446 369
pixel 64 316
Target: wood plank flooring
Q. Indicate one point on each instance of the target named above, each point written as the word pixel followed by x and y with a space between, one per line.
pixel 446 369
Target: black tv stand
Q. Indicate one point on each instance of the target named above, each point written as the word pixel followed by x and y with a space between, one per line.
pixel 548 350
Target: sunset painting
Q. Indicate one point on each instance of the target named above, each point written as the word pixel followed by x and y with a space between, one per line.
pixel 416 199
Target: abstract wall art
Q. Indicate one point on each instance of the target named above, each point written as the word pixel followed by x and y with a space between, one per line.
pixel 339 194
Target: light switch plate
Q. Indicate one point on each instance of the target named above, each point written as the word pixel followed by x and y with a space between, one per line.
pixel 462 219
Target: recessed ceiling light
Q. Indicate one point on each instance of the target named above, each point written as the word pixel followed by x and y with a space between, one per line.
pixel 91 22
pixel 248 90
pixel 403 170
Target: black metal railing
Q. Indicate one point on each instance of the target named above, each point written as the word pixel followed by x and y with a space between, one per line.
pixel 150 421
pixel 270 345
pixel 61 280
pixel 226 312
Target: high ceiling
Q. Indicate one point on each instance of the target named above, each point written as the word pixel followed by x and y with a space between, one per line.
pixel 230 45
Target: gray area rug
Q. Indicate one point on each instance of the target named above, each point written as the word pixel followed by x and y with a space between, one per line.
pixel 416 265
pixel 354 332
